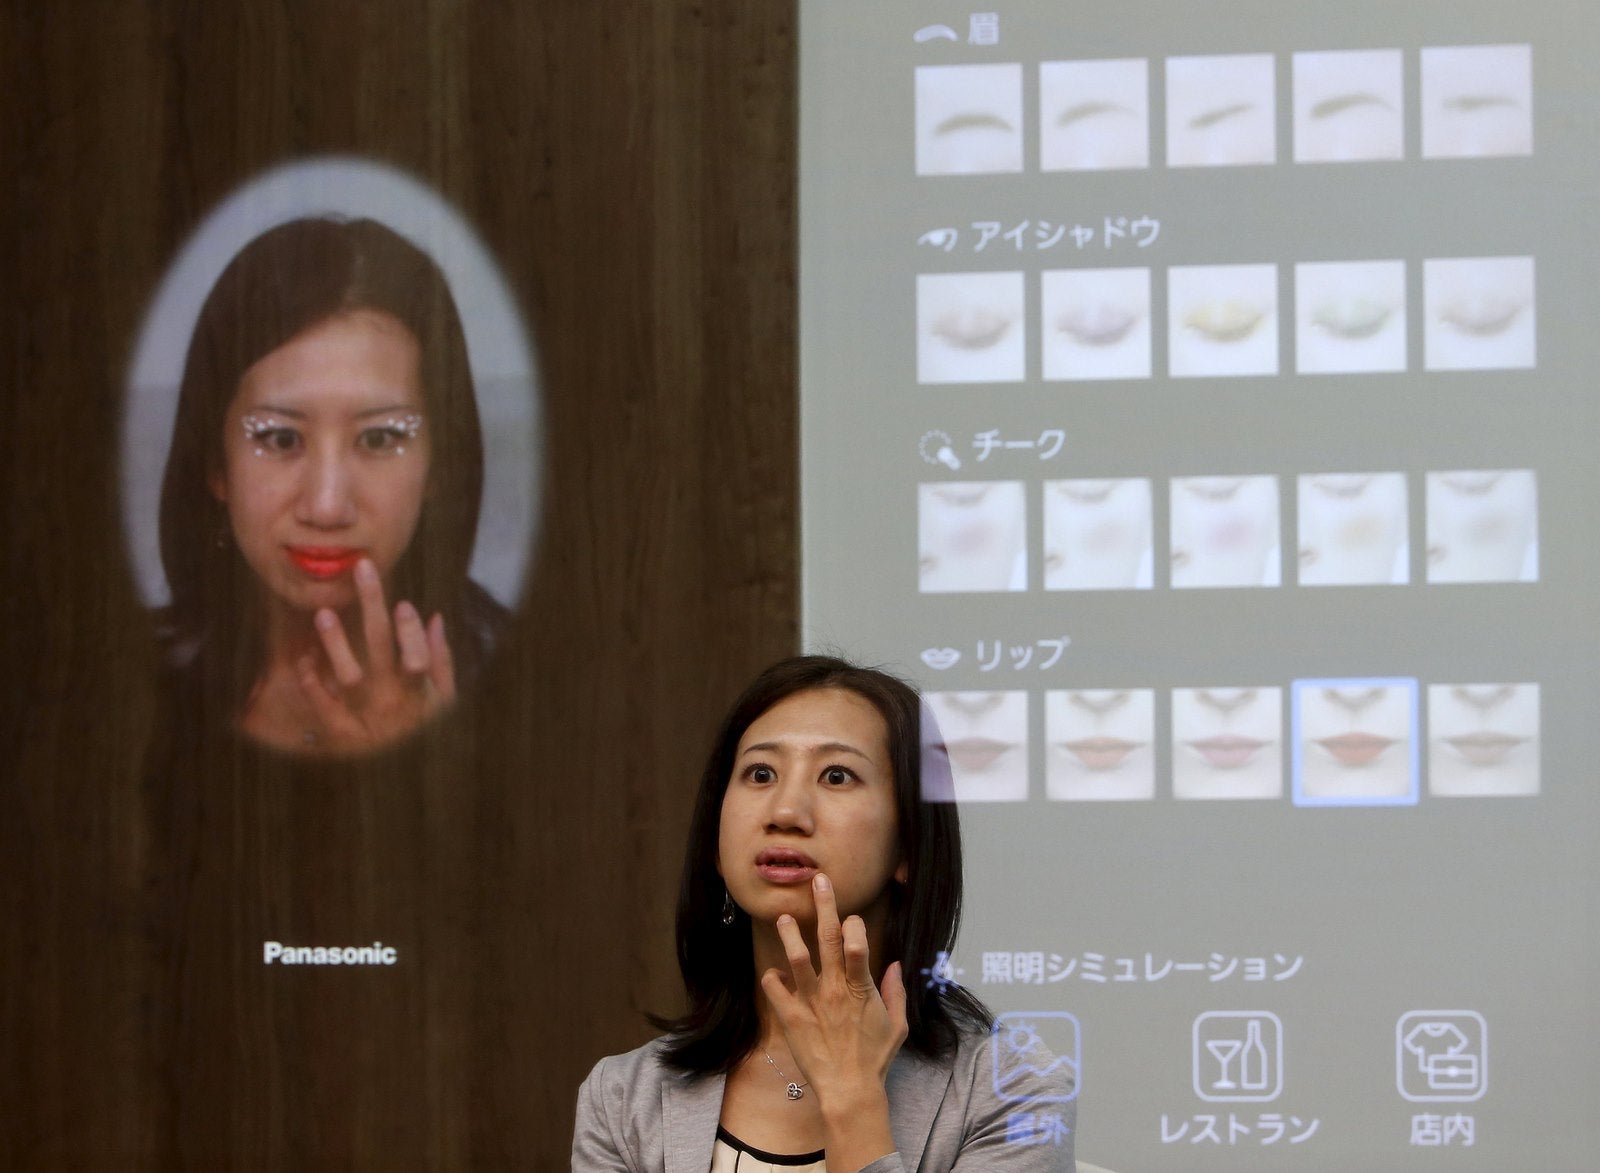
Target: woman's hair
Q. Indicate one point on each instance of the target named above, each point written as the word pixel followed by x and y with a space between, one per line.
pixel 720 1026
pixel 284 282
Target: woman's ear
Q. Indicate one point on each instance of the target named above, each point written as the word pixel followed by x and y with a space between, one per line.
pixel 218 484
pixel 903 872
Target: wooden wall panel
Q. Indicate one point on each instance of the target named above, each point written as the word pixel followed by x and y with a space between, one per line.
pixel 631 166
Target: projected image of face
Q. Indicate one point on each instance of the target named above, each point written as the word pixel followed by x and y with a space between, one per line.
pixel 1483 739
pixel 1100 745
pixel 1348 106
pixel 1227 743
pixel 1355 741
pixel 1478 314
pixel 1095 323
pixel 968 119
pixel 970 328
pixel 1222 320
pixel 986 741
pixel 1477 101
pixel 326 458
pixel 970 536
pixel 1221 111
pixel 1225 532
pixel 1352 529
pixel 1094 115
pixel 1350 317
pixel 1097 535
pixel 1482 526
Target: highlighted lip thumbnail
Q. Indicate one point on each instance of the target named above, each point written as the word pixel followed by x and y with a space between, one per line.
pixel 1357 748
pixel 976 754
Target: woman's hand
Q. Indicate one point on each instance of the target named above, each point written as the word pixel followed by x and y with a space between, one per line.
pixel 372 704
pixel 842 1030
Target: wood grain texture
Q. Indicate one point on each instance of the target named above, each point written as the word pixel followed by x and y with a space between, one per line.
pixel 631 166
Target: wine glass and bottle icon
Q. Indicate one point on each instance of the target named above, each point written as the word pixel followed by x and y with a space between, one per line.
pixel 1245 1064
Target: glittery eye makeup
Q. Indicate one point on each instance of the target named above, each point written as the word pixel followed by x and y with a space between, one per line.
pixel 391 435
pixel 269 435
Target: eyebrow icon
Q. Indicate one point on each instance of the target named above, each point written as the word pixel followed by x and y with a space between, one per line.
pixel 1083 110
pixel 1210 118
pixel 1332 107
pixel 972 121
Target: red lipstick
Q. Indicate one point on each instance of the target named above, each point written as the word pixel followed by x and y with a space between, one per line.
pixel 325 562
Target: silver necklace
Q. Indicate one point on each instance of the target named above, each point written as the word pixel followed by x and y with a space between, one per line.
pixel 791 1089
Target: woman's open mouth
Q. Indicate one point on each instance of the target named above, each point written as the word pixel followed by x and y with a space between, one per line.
pixel 324 562
pixel 785 865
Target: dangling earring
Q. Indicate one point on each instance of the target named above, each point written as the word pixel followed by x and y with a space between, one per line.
pixel 727 907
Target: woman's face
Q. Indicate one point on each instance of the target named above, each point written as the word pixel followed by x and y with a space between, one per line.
pixel 326 456
pixel 812 790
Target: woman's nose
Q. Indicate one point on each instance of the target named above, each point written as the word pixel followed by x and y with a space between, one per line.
pixel 791 805
pixel 325 499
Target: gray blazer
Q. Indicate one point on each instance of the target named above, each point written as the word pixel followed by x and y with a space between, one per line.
pixel 636 1115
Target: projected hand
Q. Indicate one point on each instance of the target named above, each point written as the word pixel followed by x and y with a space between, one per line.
pixel 369 705
pixel 842 1030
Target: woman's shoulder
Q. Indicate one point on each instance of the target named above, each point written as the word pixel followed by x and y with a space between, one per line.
pixel 644 1062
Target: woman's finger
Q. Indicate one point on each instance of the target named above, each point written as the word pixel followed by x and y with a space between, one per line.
pixel 794 948
pixel 442 665
pixel 779 996
pixel 857 965
pixel 894 996
pixel 335 718
pixel 346 668
pixel 374 618
pixel 830 941
pixel 413 640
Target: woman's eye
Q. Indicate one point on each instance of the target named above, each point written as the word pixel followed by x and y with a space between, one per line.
pixel 836 776
pixel 269 437
pixel 762 774
pixel 390 436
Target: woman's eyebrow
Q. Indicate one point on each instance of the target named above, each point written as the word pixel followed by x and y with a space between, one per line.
pixel 391 410
pixel 974 121
pixel 273 409
pixel 825 747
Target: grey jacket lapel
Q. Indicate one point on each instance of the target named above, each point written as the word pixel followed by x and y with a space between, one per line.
pixel 690 1109
pixel 916 1088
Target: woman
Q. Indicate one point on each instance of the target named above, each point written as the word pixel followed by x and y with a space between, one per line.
pixel 816 876
pixel 325 460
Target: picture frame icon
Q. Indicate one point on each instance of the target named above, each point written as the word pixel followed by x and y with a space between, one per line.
pixel 1441 1056
pixel 1025 1043
pixel 1238 1056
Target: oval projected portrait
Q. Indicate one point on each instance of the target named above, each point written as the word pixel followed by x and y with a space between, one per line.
pixel 330 460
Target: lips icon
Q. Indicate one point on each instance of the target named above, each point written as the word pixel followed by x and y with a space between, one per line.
pixel 940 658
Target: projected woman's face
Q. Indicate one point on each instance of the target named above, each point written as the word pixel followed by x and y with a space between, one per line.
pixel 325 458
pixel 970 535
pixel 1483 739
pixel 1100 744
pixel 1352 529
pixel 1226 743
pixel 1355 739
pixel 1482 525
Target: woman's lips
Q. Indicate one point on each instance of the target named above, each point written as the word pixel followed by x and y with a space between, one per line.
pixel 1484 749
pixel 1227 751
pixel 325 561
pixel 784 865
pixel 1100 753
pixel 1356 749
